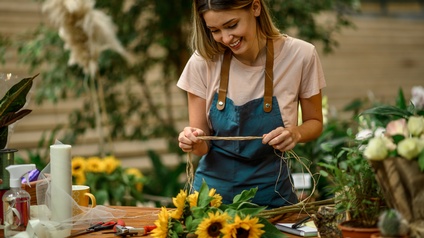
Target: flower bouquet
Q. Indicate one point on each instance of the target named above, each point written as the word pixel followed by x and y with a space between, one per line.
pixel 396 153
pixel 202 214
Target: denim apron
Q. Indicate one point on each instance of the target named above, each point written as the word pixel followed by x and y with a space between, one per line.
pixel 233 166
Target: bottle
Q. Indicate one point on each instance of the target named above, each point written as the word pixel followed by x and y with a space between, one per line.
pixel 16 201
pixel 6 159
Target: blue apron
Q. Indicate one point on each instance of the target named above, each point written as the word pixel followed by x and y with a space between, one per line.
pixel 233 166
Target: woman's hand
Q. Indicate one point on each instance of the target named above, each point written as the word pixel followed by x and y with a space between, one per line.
pixel 282 139
pixel 189 141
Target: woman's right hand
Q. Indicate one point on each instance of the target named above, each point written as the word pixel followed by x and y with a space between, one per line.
pixel 189 141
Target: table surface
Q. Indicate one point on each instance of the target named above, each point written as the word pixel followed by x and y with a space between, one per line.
pixel 144 216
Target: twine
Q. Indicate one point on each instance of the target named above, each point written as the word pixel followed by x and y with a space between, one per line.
pixel 299 207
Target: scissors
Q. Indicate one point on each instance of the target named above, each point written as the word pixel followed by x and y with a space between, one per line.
pixel 98 227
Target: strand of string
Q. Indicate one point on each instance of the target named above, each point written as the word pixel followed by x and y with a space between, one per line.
pixel 291 153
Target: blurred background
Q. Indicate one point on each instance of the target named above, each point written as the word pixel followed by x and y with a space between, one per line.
pixel 369 51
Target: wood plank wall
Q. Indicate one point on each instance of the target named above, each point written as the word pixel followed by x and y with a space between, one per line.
pixel 377 57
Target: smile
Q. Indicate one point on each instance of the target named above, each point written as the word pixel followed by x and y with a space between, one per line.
pixel 235 43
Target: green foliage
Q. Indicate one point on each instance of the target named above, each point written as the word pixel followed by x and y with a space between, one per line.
pixel 354 184
pixel 382 114
pixel 40 155
pixel 163 180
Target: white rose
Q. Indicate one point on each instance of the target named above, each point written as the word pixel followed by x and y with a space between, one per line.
pixel 364 134
pixel 376 149
pixel 409 148
pixel 416 125
pixel 379 131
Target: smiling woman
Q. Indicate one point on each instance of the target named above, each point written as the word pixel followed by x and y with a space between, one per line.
pixel 246 78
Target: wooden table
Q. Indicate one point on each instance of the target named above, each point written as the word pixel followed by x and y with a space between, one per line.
pixel 144 216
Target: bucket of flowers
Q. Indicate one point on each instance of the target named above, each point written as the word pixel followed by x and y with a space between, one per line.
pixel 396 153
pixel 202 214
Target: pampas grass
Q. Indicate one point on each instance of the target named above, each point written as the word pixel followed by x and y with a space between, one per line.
pixel 85 30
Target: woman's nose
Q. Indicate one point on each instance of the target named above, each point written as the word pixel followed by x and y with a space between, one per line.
pixel 227 38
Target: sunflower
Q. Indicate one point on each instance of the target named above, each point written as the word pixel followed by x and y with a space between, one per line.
pixel 217 199
pixel 80 178
pixel 111 163
pixel 243 228
pixel 192 199
pixel 78 165
pixel 137 174
pixel 211 226
pixel 161 230
pixel 95 165
pixel 179 203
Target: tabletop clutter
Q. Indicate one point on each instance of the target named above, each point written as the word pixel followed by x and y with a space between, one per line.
pixel 45 204
pixel 55 208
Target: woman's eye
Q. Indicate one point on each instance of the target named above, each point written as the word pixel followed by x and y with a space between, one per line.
pixel 233 25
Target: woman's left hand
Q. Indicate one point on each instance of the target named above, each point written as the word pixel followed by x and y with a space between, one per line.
pixel 282 139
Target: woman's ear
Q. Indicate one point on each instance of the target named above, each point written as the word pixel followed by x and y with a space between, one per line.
pixel 256 8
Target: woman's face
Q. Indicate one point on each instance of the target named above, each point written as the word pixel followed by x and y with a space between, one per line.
pixel 235 29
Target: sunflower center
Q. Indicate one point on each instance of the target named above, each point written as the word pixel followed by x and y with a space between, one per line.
pixel 214 229
pixel 242 233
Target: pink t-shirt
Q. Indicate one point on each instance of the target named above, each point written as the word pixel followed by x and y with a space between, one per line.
pixel 297 74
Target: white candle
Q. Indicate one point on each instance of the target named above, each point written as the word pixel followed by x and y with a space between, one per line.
pixel 61 182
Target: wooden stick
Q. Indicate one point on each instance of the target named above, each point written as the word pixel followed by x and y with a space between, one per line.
pixel 230 138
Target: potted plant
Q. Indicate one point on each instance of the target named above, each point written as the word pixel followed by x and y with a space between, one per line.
pixel 357 192
pixel 397 156
pixel 11 106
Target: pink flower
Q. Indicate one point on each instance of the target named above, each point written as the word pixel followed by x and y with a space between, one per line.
pixel 397 127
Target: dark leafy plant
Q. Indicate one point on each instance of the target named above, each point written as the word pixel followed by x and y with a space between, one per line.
pixel 10 107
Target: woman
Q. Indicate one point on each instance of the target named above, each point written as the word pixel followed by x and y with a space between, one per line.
pixel 247 79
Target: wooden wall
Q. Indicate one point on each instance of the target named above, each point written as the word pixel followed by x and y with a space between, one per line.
pixel 377 57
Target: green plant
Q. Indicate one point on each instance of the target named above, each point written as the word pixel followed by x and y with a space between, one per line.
pixel 11 104
pixel 108 180
pixel 354 184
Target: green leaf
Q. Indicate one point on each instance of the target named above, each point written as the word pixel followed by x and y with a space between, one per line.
pixel 270 230
pixel 245 195
pixel 204 199
pixel 177 227
pixel 323 173
pixel 4 131
pixel 400 100
pixel 101 196
pixel 398 138
pixel 421 161
pixel 15 97
pixel 252 210
pixel 387 110
pixel 12 117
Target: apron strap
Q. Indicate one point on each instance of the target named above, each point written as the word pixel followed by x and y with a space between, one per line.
pixel 269 76
pixel 223 84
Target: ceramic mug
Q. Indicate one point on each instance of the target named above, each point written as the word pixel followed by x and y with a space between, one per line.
pixel 82 196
